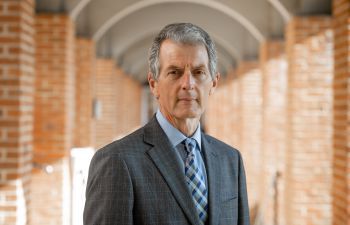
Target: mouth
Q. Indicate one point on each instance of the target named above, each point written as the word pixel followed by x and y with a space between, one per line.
pixel 187 102
pixel 187 99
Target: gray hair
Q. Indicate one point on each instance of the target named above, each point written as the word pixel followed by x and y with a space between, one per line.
pixel 185 33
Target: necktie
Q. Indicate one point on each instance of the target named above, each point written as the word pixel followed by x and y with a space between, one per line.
pixel 195 180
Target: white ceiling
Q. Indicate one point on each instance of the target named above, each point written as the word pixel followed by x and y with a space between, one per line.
pixel 124 29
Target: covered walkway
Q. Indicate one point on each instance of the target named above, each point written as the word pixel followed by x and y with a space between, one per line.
pixel 73 78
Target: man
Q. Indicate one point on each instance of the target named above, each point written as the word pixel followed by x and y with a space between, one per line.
pixel 169 172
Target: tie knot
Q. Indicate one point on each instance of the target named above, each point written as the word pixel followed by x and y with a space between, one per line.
pixel 190 144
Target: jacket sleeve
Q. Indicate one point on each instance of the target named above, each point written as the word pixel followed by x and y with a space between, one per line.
pixel 109 192
pixel 243 207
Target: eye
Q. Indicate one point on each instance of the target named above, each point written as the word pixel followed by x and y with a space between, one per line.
pixel 200 73
pixel 174 72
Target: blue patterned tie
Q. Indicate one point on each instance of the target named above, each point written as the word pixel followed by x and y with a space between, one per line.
pixel 195 180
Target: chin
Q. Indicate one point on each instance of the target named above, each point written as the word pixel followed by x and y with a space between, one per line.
pixel 190 114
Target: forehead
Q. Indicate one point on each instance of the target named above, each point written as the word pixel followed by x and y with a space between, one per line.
pixel 179 54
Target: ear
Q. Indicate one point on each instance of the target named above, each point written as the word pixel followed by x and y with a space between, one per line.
pixel 153 85
pixel 215 82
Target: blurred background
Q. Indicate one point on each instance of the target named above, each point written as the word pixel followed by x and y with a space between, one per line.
pixel 73 78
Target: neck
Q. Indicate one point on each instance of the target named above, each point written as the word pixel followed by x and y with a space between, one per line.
pixel 186 126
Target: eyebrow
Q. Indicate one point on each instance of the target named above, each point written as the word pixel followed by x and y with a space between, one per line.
pixel 200 67
pixel 173 67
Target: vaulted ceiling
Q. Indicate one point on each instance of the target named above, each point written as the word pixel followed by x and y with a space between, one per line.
pixel 123 29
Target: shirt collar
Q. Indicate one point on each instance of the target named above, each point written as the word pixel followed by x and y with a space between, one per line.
pixel 174 135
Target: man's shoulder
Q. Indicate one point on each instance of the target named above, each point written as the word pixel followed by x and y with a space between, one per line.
pixel 129 144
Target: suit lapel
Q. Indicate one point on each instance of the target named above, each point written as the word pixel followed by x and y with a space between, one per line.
pixel 168 163
pixel 213 171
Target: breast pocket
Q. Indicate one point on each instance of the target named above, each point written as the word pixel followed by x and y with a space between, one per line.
pixel 229 211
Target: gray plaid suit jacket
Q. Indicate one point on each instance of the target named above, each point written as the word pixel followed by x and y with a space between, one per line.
pixel 140 180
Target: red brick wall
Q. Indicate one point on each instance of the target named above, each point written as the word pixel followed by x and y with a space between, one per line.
pixel 236 112
pixel 222 128
pixel 120 97
pixel 250 80
pixel 274 67
pixel 54 118
pixel 16 108
pixel 341 107
pixel 84 133
pixel 309 124
pixel 128 104
pixel 106 88
pixel 211 113
pixel 234 115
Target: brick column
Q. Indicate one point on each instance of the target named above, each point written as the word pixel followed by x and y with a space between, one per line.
pixel 16 108
pixel 341 106
pixel 309 125
pixel 234 115
pixel 120 97
pixel 220 116
pixel 121 91
pixel 274 67
pixel 54 119
pixel 84 133
pixel 250 82
pixel 132 104
pixel 212 114
pixel 106 89
pixel 128 103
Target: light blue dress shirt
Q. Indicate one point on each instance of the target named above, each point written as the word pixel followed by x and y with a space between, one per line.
pixel 176 138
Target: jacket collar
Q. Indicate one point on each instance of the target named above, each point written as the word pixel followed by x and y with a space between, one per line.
pixel 170 167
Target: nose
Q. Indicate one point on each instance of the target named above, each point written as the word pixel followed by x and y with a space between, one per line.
pixel 187 80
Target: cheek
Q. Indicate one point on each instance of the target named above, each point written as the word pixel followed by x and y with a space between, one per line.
pixel 205 92
pixel 205 96
pixel 205 99
pixel 165 96
pixel 169 92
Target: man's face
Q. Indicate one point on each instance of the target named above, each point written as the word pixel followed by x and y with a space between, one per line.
pixel 184 83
